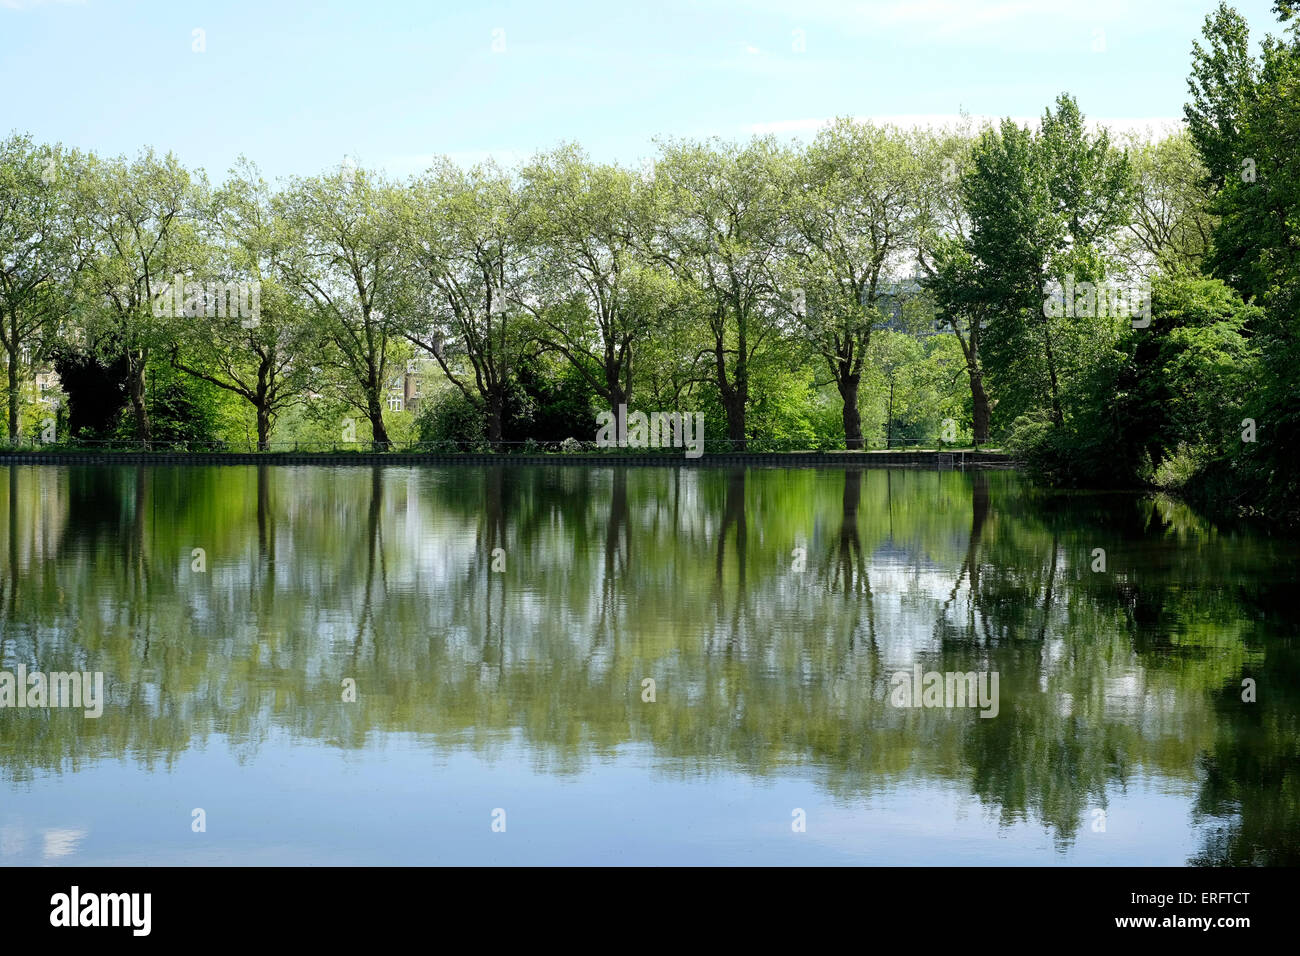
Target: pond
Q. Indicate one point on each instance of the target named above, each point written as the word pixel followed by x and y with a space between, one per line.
pixel 627 665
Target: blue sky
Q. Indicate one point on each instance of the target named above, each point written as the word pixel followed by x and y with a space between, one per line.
pixel 298 85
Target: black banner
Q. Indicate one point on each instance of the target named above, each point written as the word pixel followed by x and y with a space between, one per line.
pixel 334 905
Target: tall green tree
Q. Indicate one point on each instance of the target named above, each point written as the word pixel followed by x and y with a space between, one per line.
pixel 1044 206
pixel 852 214
pixel 718 210
pixel 264 358
pixel 595 297
pixel 1243 120
pixel 347 264
pixel 38 254
pixel 946 265
pixel 467 241
pixel 141 218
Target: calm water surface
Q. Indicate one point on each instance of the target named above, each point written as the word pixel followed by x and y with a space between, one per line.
pixel 770 607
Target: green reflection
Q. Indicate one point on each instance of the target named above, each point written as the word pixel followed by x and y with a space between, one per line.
pixel 686 576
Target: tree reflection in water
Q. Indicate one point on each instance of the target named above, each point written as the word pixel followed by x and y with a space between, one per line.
pixel 386 575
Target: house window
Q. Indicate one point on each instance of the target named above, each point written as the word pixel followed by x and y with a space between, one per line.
pixel 394 403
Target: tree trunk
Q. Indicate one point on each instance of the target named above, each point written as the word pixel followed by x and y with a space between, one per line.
pixel 263 427
pixel 263 403
pixel 378 433
pixel 981 412
pixel 852 417
pixel 740 384
pixel 735 406
pixel 1057 417
pixel 617 394
pixel 13 393
pixel 889 419
pixel 495 420
pixel 139 407
pixel 734 391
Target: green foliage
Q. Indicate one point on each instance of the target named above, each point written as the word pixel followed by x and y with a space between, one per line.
pixel 1170 224
pixel 449 418
pixel 38 256
pixel 96 390
pixel 551 403
pixel 787 412
pixel 182 409
pixel 1174 390
pixel 1042 206
pixel 1243 120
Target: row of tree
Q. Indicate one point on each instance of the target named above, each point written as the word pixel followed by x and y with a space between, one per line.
pixel 722 260
pixel 725 258
pixel 738 277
